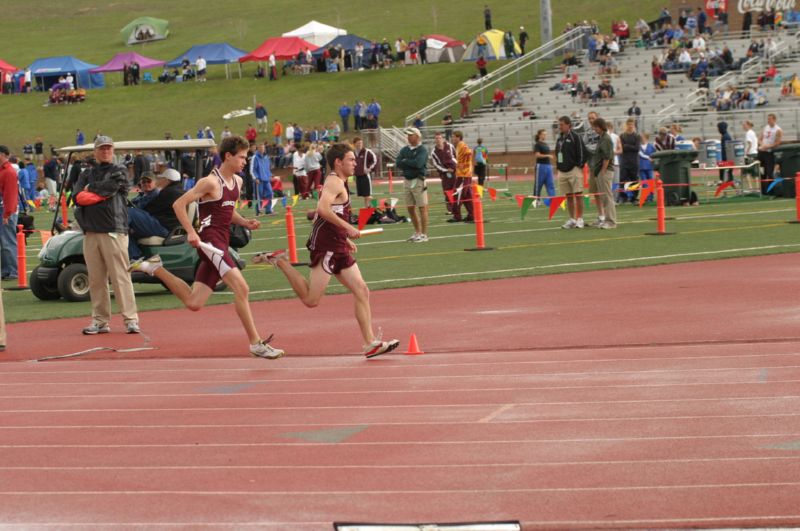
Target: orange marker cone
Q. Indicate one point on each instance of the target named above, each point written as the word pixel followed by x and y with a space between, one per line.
pixel 413 347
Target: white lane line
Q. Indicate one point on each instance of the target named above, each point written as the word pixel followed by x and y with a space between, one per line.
pixel 483 442
pixel 599 488
pixel 407 376
pixel 535 464
pixel 406 406
pixel 566 420
pixel 394 391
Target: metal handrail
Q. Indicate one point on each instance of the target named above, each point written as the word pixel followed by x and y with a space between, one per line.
pixel 540 54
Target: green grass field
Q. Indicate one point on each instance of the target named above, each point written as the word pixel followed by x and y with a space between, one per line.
pixel 722 228
pixel 89 30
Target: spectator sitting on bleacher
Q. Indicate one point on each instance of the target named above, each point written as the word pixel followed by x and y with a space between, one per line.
pixel 724 99
pixel 569 64
pixel 664 141
pixel 769 75
pixel 497 98
pixel 791 87
pixel 514 98
pixel 584 92
pixel 698 69
pixel 746 100
pixel 622 30
pixel 604 91
pixel 698 44
pixel 684 60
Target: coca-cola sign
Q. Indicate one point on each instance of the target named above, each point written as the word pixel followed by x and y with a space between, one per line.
pixel 765 5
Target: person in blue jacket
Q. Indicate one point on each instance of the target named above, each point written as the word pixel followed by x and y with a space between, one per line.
pixel 261 173
pixel 725 137
pixel 344 113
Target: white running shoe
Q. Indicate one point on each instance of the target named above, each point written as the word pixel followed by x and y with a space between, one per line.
pixel 271 258
pixel 414 237
pixel 262 349
pixel 596 223
pixel 146 265
pixel 579 223
pixel 570 224
pixel 378 347
pixel 421 238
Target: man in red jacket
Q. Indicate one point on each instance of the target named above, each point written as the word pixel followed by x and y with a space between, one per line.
pixel 9 191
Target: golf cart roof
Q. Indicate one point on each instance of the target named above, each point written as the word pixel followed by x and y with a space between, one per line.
pixel 147 145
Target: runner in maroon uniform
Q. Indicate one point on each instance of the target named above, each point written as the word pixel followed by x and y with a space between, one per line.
pixel 331 249
pixel 216 194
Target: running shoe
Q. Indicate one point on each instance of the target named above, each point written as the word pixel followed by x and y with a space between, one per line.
pixel 414 237
pixel 263 349
pixel 378 347
pixel 95 328
pixel 421 238
pixel 132 327
pixel 596 223
pixel 570 224
pixel 579 223
pixel 146 265
pixel 271 258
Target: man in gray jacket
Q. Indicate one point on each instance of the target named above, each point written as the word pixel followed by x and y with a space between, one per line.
pixel 101 195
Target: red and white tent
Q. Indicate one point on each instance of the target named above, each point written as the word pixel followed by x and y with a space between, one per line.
pixel 283 47
pixel 444 49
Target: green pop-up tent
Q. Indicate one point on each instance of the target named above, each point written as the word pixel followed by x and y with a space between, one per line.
pixel 145 29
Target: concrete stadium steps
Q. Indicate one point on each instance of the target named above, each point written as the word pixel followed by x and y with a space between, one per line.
pixel 633 83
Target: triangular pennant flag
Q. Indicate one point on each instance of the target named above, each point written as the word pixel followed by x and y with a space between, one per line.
pixel 382 204
pixel 37 202
pixel 773 183
pixel 492 194
pixel 587 200
pixel 526 204
pixel 294 199
pixel 374 203
pixel 645 189
pixel 275 202
pixel 555 202
pixel 363 216
pixel 563 206
pixel 314 194
pixel 506 193
pixel 31 203
pixel 520 198
pixel 450 196
pixel 546 201
pixel 479 188
pixel 393 201
pixel 723 186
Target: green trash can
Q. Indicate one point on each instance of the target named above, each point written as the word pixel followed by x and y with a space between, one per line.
pixel 788 156
pixel 675 166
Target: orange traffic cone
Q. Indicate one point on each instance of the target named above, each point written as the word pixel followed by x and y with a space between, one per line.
pixel 413 347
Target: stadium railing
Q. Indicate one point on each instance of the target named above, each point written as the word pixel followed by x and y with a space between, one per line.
pixel 519 70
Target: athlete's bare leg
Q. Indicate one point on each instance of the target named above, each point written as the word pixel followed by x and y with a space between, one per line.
pixel 412 213
pixel 423 214
pixel 352 280
pixel 241 292
pixel 193 297
pixel 309 292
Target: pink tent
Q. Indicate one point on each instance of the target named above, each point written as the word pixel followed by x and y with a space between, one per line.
pixel 283 48
pixel 117 63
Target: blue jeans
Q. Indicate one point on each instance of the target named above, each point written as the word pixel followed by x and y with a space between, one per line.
pixel 8 247
pixel 544 177
pixel 142 225
pixel 265 194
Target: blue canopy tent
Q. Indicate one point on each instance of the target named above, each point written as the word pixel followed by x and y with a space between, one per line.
pixel 46 71
pixel 348 44
pixel 215 53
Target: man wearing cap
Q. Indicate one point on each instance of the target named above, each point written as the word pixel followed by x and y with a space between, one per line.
pixel 152 213
pixel 101 196
pixel 9 195
pixel 412 161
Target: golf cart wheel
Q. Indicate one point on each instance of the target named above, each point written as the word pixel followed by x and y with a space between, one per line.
pixel 73 283
pixel 41 289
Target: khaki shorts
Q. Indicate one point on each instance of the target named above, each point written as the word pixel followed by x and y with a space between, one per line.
pixel 415 192
pixel 570 182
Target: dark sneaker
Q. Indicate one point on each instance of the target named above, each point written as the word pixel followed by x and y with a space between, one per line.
pixel 271 258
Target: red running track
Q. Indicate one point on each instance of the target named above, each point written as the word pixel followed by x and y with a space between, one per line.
pixel 551 413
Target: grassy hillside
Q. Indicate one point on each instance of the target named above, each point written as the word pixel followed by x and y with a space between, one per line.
pixel 89 30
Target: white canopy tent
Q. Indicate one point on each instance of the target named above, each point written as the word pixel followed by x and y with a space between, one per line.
pixel 316 33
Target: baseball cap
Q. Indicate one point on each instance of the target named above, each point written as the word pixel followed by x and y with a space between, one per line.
pixel 170 175
pixel 103 140
pixel 413 131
